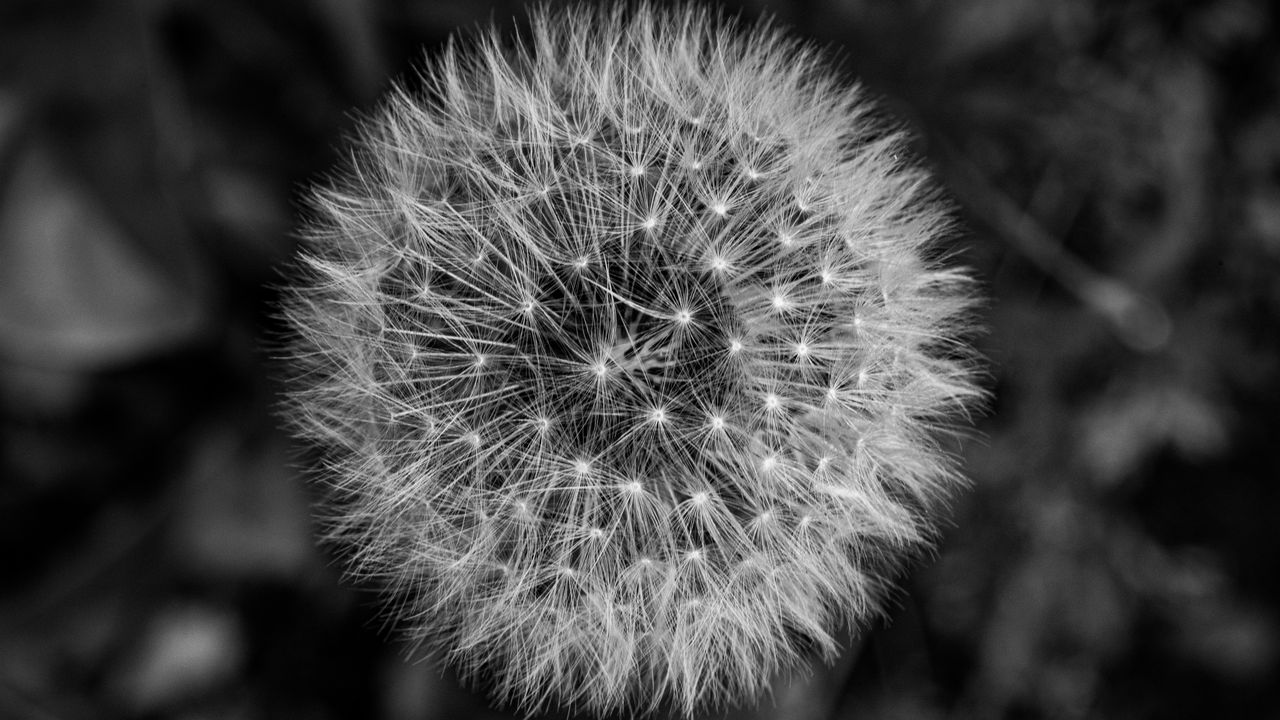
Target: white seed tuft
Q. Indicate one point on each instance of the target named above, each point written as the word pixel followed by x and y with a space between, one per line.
pixel 628 358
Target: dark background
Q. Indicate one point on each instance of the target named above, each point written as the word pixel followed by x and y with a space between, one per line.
pixel 1118 167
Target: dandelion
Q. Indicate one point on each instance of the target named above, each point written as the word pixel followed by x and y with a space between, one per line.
pixel 629 350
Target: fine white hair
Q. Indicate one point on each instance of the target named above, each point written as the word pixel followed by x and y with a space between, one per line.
pixel 628 348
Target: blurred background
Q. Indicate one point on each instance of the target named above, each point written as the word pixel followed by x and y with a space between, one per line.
pixel 1117 163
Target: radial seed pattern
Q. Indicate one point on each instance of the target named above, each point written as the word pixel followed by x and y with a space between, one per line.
pixel 628 359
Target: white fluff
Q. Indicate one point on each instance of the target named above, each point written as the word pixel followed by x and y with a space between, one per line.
pixel 627 358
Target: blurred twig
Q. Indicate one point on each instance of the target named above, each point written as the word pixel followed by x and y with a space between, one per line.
pixel 107 547
pixel 1139 321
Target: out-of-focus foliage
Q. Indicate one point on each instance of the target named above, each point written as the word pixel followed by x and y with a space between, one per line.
pixel 1118 164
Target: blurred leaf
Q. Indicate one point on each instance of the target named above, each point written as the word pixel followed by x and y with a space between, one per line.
pixel 1130 424
pixel 242 513
pixel 74 291
pixel 183 653
pixel 1236 640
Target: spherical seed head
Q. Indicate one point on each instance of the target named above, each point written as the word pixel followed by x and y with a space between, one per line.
pixel 629 351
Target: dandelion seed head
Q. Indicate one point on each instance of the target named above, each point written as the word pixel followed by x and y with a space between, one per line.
pixel 579 331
